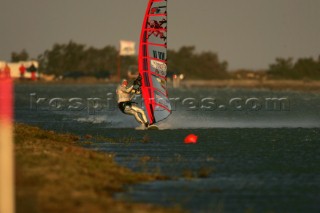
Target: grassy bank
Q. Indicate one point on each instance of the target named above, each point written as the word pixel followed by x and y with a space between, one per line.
pixel 53 174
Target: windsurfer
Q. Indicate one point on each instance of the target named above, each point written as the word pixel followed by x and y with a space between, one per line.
pixel 125 94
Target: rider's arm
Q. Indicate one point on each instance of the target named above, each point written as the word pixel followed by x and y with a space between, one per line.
pixel 127 90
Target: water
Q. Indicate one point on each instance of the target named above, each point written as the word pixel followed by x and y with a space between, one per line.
pixel 248 159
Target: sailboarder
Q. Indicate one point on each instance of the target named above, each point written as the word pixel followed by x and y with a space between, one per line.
pixel 125 95
pixel 152 66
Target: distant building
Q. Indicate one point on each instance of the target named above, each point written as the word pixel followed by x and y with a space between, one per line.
pixel 15 68
pixel 248 74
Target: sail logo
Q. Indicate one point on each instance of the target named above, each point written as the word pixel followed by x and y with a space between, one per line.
pixel 155 24
pixel 160 66
pixel 157 29
pixel 158 10
pixel 155 10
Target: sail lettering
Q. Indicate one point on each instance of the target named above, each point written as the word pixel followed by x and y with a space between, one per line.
pixel 159 55
pixel 155 54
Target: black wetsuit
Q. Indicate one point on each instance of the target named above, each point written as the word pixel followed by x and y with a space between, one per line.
pixel 122 105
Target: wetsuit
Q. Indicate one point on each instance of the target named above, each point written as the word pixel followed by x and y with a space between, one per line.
pixel 127 107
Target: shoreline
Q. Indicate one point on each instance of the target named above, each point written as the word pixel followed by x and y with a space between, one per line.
pixel 294 85
pixel 55 174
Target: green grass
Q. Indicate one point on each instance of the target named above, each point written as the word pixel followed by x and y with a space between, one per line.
pixel 53 174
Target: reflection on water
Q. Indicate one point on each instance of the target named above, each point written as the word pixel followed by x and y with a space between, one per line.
pixel 245 169
pixel 193 108
pixel 246 160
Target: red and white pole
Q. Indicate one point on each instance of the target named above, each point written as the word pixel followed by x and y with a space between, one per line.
pixel 7 204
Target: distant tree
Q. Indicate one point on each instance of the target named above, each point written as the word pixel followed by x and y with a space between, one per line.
pixel 97 61
pixel 20 56
pixel 73 59
pixel 205 65
pixel 211 67
pixel 281 68
pixel 73 54
pixel 306 68
pixel 303 68
pixel 52 61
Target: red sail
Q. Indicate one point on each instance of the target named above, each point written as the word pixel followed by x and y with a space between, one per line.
pixel 153 61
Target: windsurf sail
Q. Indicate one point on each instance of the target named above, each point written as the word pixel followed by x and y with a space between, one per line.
pixel 153 61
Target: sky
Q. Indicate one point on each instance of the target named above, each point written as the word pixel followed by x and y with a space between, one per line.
pixel 248 34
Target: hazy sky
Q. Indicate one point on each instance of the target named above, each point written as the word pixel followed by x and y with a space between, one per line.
pixel 246 33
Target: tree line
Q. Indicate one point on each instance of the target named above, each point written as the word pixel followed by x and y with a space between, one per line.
pixel 287 68
pixel 205 65
pixel 77 60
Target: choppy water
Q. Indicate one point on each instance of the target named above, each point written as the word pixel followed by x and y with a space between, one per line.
pixel 254 158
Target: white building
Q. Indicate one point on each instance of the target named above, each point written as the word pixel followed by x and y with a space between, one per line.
pixel 15 68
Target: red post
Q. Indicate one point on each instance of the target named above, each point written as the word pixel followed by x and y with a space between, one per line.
pixel 6 146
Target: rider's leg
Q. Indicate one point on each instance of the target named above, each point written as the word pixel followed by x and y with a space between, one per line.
pixel 139 110
pixel 131 111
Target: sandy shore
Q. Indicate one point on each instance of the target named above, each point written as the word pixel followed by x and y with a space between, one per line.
pixel 298 85
pixel 54 174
